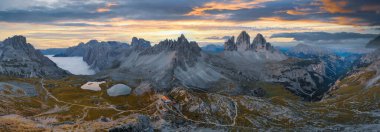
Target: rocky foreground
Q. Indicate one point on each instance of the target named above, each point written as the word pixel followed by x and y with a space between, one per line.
pixel 61 105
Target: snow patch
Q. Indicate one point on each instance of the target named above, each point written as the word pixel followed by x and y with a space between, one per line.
pixel 94 86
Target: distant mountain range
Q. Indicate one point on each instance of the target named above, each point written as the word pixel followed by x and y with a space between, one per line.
pixel 375 43
pixel 175 84
pixel 53 51
pixel 182 63
pixel 305 70
pixel 212 48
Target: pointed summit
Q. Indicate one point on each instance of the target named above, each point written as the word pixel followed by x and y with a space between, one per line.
pixel 230 44
pixel 259 42
pixel 242 41
pixel 16 41
pixel 182 39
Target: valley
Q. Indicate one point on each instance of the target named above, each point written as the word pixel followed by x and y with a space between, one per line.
pixel 176 86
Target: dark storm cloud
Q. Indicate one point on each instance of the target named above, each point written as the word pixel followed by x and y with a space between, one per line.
pixel 353 13
pixel 142 9
pixel 316 36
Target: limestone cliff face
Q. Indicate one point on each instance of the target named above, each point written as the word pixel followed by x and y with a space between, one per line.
pixel 230 45
pixel 169 63
pixel 83 48
pixel 103 55
pixel 243 43
pixel 140 44
pixel 19 59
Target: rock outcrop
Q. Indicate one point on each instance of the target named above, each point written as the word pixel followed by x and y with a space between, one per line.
pixel 259 43
pixel 179 62
pixel 167 64
pixel 138 123
pixel 82 48
pixel 19 59
pixel 139 43
pixel 230 45
pixel 186 52
pixel 103 55
pixel 243 43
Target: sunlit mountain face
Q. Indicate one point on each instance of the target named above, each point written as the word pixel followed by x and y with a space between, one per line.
pixel 189 65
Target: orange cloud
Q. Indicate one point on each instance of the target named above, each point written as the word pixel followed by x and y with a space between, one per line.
pixel 107 8
pixel 294 12
pixel 335 6
pixel 233 5
pixel 299 11
pixel 349 21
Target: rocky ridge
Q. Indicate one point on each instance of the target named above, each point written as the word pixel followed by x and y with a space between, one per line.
pixel 102 55
pixel 182 63
pixel 19 59
pixel 171 62
pixel 82 48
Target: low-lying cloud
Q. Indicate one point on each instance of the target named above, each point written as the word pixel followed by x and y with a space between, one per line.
pixel 317 36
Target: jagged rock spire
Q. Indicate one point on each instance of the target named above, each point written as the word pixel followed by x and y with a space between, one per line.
pixel 230 44
pixel 140 43
pixel 17 41
pixel 259 42
pixel 243 41
pixel 182 39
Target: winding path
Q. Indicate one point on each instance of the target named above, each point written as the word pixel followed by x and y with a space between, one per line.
pixel 89 107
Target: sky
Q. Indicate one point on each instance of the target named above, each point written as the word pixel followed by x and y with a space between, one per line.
pixel 64 23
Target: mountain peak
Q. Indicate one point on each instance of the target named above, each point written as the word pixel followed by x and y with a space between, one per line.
pixel 26 60
pixel 18 42
pixel 93 41
pixel 230 44
pixel 140 43
pixel 243 41
pixel 182 39
pixel 259 40
pixel 17 39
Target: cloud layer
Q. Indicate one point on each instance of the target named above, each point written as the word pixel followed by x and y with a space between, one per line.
pixel 323 38
pixel 352 12
pixel 205 21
